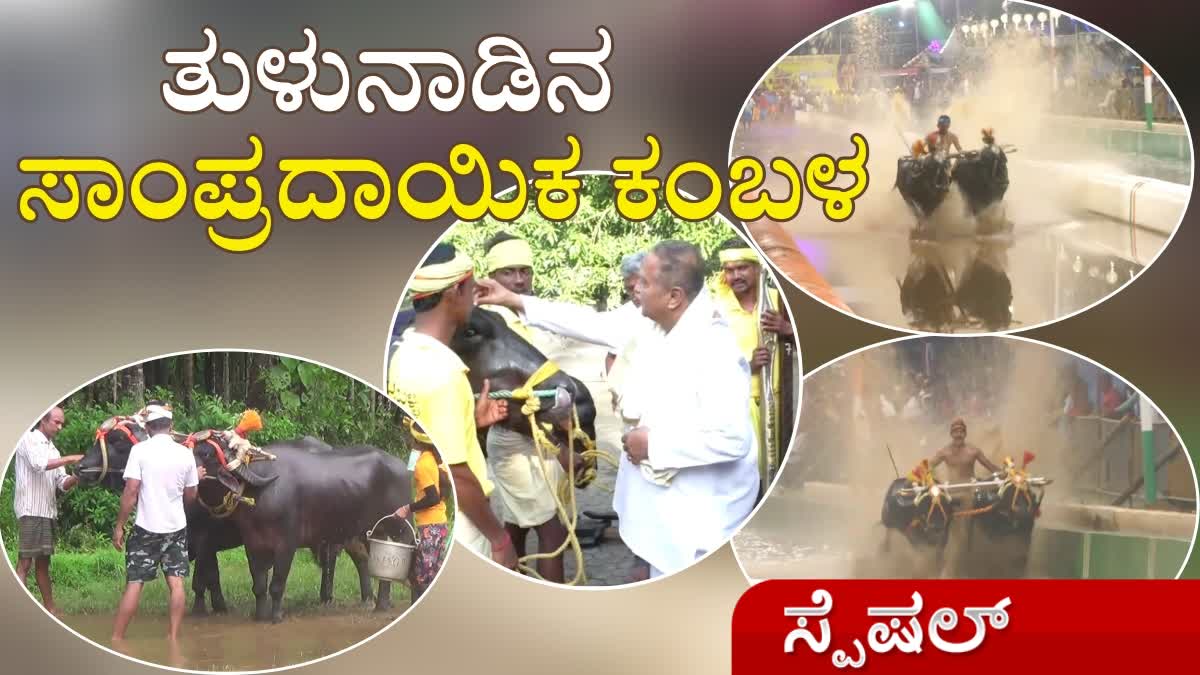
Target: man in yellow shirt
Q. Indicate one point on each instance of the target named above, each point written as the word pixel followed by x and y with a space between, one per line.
pixel 526 499
pixel 737 296
pixel 429 509
pixel 430 380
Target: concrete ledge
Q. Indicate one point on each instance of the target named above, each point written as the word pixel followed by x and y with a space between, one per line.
pixel 1122 521
pixel 1148 203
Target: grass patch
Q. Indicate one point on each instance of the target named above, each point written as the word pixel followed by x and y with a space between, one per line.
pixel 92 583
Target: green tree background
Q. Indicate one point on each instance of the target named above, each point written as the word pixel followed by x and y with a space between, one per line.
pixel 579 260
pixel 295 398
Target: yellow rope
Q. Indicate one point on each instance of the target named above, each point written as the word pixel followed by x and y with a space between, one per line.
pixel 229 502
pixel 564 495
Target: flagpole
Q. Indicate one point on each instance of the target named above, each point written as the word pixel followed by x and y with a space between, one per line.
pixel 1148 80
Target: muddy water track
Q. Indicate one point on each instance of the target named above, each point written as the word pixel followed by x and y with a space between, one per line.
pixel 234 642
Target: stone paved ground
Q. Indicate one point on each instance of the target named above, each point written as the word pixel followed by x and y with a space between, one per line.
pixel 611 563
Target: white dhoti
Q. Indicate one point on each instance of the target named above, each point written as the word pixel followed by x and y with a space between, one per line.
pixel 526 499
pixel 469 536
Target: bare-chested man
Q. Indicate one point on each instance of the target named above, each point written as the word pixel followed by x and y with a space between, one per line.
pixel 959 457
pixel 939 141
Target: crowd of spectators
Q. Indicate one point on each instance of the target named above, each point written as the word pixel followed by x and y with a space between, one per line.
pixel 1097 77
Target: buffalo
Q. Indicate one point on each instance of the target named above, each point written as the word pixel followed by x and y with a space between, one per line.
pixel 982 177
pixel 923 523
pixel 304 499
pixel 493 351
pixel 923 182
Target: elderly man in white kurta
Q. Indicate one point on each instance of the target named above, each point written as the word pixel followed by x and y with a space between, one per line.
pixel 689 474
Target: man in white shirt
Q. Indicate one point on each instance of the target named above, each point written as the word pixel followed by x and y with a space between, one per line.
pixel 687 406
pixel 39 475
pixel 160 479
pixel 629 313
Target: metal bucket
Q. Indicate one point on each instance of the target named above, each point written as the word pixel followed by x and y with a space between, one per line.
pixel 390 560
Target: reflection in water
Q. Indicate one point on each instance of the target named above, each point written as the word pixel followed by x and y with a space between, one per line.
pixel 234 642
pixel 1085 275
pixel 1059 256
pixel 957 284
pixel 972 284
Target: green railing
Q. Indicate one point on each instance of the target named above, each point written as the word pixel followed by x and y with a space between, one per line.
pixel 1164 152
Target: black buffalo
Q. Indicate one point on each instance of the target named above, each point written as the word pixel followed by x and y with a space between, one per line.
pixel 982 177
pixel 923 182
pixel 1011 513
pixel 307 499
pixel 923 523
pixel 493 351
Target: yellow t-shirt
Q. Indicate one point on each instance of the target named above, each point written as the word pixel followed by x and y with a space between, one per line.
pixel 430 381
pixel 427 474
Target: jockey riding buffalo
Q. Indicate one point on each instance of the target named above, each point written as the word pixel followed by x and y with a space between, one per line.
pixel 104 463
pixel 304 499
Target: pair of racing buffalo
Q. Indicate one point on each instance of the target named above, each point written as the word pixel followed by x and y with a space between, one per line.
pixel 997 536
pixel 981 175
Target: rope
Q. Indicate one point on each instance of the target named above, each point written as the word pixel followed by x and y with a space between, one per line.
pixel 564 496
pixel 229 502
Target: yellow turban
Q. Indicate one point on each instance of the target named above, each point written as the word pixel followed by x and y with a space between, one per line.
pixel 432 279
pixel 731 255
pixel 510 253
pixel 417 434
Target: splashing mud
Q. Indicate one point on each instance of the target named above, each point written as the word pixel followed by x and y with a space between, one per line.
pixel 862 426
pixel 1009 88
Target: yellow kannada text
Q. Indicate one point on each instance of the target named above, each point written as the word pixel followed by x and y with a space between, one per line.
pixel 58 190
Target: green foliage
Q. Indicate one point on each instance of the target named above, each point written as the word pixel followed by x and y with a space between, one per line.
pixel 579 260
pixel 330 406
pixel 87 516
pixel 306 399
pixel 8 518
pixel 89 583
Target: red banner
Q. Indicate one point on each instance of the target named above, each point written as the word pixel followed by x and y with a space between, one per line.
pixel 988 626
